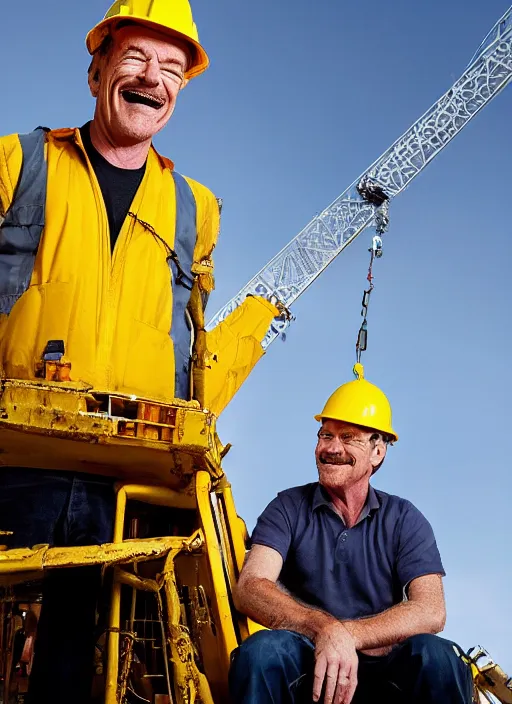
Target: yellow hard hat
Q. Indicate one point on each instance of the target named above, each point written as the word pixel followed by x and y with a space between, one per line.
pixel 360 403
pixel 172 17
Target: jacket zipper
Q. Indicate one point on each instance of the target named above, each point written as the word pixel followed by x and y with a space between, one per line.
pixel 105 314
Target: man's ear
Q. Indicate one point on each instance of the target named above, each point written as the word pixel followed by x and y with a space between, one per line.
pixel 93 78
pixel 378 453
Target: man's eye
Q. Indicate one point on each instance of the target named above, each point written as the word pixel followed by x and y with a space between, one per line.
pixel 173 73
pixel 139 59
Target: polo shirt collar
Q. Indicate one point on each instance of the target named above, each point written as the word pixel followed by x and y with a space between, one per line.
pixel 321 498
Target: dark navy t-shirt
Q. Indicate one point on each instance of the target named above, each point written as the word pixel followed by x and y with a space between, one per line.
pixel 348 572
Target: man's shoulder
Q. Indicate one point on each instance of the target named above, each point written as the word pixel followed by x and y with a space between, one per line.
pixel 204 197
pixel 11 159
pixel 202 193
pixel 288 508
pixel 296 491
pixel 386 499
pixel 395 505
pixel 10 145
pixel 298 495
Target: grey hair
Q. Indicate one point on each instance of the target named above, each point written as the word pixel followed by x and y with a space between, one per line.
pixel 386 439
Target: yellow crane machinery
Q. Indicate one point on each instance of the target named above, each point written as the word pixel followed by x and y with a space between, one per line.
pixel 178 542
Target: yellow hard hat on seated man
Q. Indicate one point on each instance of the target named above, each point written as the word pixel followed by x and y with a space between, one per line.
pixel 360 403
pixel 172 17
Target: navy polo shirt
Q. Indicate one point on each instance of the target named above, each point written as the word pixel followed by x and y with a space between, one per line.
pixel 348 572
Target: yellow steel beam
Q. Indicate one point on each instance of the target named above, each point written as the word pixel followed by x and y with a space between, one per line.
pixel 43 557
pixel 220 590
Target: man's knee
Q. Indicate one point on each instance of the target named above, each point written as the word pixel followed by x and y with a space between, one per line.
pixel 439 656
pixel 266 649
pixel 432 647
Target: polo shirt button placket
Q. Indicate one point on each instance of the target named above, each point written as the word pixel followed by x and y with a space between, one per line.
pixel 341 551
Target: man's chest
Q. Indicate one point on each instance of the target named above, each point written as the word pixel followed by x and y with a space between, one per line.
pixel 349 572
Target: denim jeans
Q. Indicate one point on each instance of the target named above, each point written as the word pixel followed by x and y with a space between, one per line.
pixel 63 509
pixel 276 667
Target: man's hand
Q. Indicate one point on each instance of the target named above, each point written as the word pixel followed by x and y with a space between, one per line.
pixel 336 664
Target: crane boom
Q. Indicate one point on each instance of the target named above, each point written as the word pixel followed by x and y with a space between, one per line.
pixel 303 259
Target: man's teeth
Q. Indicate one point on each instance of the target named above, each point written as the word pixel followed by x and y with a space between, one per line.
pixel 136 96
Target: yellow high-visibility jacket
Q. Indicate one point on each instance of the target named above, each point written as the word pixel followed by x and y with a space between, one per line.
pixel 114 310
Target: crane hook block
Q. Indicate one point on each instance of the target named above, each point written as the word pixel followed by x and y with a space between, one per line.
pixel 371 191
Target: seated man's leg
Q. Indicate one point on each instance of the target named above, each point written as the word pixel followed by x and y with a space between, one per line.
pixel 64 650
pixel 272 667
pixel 32 502
pixel 62 509
pixel 63 657
pixel 425 669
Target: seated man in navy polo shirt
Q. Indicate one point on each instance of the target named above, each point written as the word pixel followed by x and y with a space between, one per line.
pixel 349 578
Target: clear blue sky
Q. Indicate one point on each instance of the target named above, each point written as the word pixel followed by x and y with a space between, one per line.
pixel 301 97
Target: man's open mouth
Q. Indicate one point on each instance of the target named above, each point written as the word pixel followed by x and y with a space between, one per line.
pixel 138 96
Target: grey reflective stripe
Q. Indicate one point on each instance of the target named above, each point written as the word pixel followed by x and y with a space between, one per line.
pixel 184 245
pixel 21 230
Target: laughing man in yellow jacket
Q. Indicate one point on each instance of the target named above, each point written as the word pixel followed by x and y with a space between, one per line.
pixel 105 258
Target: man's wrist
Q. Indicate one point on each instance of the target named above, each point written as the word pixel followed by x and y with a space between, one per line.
pixel 317 622
pixel 354 629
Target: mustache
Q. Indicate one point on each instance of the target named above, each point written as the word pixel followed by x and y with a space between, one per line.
pixel 327 458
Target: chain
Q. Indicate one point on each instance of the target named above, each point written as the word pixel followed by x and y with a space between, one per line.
pixel 181 277
pixel 381 225
pixel 362 337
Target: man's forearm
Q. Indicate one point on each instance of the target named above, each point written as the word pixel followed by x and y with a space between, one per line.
pixel 264 602
pixel 394 625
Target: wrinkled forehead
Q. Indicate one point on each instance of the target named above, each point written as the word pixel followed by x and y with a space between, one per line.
pixel 129 35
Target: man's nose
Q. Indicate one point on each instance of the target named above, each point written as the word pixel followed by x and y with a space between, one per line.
pixel 150 74
pixel 336 446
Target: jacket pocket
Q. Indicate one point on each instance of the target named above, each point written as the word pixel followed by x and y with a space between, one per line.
pixel 149 369
pixel 42 313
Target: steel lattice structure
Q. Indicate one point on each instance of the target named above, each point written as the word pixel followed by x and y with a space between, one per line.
pixel 303 259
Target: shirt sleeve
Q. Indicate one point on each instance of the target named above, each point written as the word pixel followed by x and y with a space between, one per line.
pixel 418 554
pixel 273 528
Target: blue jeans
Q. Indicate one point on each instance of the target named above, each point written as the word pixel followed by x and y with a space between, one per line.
pixel 276 667
pixel 63 509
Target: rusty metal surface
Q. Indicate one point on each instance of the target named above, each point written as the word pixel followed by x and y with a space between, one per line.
pixel 492 683
pixel 43 557
pixel 67 426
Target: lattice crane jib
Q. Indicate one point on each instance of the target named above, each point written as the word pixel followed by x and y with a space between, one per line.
pixel 306 256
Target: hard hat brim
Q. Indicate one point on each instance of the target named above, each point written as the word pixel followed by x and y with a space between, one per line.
pixel 389 432
pixel 95 37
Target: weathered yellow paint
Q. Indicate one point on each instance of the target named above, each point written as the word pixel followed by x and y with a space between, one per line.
pixel 220 597
pixel 43 557
pixel 70 428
